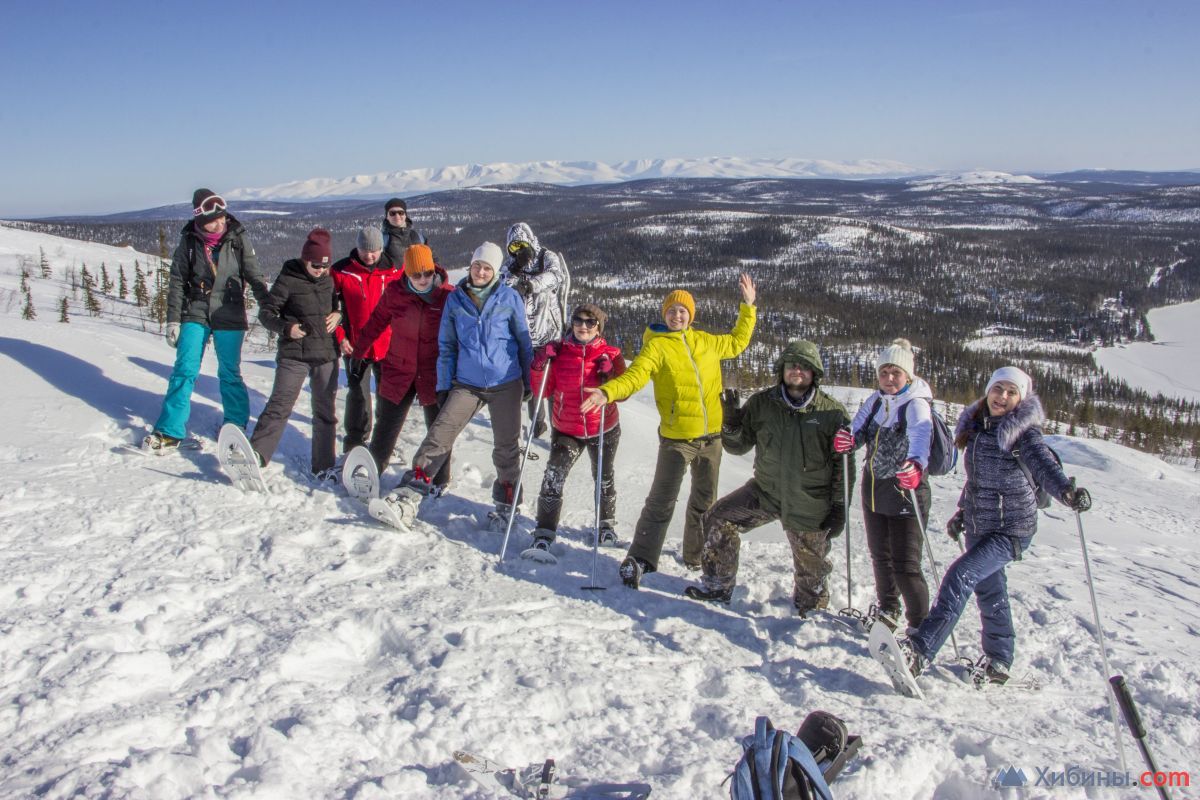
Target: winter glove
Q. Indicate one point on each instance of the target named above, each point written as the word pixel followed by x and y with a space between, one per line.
pixel 441 398
pixel 527 396
pixel 604 365
pixel 524 287
pixel 1077 499
pixel 550 350
pixel 835 520
pixel 955 525
pixel 731 404
pixel 909 475
pixel 358 369
pixel 173 334
pixel 843 441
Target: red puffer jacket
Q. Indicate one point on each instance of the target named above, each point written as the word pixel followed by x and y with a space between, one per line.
pixel 413 323
pixel 572 370
pixel 361 288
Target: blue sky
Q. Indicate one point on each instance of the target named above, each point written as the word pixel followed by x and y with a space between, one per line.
pixel 117 106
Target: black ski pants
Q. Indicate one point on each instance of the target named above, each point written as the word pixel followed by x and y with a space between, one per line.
pixel 358 406
pixel 895 543
pixel 564 452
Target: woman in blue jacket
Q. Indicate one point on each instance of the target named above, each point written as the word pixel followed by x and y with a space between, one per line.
pixel 484 354
pixel 998 513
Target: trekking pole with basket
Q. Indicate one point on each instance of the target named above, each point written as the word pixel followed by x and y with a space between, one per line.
pixel 591 585
pixel 933 565
pixel 512 512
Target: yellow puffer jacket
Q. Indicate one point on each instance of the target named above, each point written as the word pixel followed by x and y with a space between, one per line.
pixel 686 369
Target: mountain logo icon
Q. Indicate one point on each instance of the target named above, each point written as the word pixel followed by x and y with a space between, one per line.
pixel 1010 776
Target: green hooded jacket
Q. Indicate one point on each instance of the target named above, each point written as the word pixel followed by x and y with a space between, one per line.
pixel 796 473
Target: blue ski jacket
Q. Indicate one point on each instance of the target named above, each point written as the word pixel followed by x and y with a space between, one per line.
pixel 483 347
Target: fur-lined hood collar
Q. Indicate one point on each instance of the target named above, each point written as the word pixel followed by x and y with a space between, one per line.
pixel 1028 414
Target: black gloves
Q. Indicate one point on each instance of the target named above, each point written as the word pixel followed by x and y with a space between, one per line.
pixel 955 525
pixel 527 396
pixel 835 521
pixel 1077 499
pixel 358 369
pixel 731 404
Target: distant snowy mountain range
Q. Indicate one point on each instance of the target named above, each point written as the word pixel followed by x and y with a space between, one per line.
pixel 568 173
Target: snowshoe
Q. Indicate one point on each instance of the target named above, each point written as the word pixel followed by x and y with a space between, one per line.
pixel 360 475
pixel 398 509
pixel 160 444
pixel 330 476
pixel 241 462
pixel 888 616
pixel 899 660
pixel 497 518
pixel 539 551
pixel 709 595
pixel 631 572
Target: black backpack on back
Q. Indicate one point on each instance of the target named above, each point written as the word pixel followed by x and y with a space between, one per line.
pixel 942 453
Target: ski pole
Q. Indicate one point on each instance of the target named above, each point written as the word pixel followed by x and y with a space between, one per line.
pixel 1112 705
pixel 846 500
pixel 933 565
pixel 1134 721
pixel 599 480
pixel 512 512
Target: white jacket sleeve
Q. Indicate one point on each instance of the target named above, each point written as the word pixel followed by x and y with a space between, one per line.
pixel 920 429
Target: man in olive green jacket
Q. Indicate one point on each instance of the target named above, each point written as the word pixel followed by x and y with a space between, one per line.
pixel 796 480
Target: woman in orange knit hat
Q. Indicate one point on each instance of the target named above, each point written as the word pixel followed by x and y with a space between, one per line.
pixel 685 366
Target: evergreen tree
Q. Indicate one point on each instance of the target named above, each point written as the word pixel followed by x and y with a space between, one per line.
pixel 28 312
pixel 158 306
pixel 141 295
pixel 62 310
pixel 44 263
pixel 106 284
pixel 122 284
pixel 24 281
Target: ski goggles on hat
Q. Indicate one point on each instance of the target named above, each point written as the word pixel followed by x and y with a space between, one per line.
pixel 517 247
pixel 209 205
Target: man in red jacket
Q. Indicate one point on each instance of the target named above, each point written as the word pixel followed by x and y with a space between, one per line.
pixel 408 318
pixel 361 279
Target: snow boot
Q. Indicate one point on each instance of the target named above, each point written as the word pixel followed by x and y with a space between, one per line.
pixel 330 475
pixel 160 444
pixel 398 509
pixel 709 595
pixel 888 616
pixel 986 671
pixel 631 572
pixel 540 549
pixel 497 518
pixel 608 536
pixel 912 658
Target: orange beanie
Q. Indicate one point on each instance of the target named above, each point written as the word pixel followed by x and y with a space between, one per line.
pixel 417 259
pixel 680 297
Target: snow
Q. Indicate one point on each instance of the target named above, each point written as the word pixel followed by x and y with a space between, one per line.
pixel 974 179
pixel 163 635
pixel 568 173
pixel 1166 365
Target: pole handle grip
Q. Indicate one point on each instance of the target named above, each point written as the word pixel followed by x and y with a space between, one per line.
pixel 1128 709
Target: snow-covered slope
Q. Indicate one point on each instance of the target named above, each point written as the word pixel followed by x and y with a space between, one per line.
pixel 164 636
pixel 569 173
pixel 975 178
pixel 1168 364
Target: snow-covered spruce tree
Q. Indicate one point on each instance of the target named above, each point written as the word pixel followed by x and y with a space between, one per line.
pixel 28 311
pixel 106 284
pixel 43 263
pixel 62 310
pixel 122 284
pixel 141 295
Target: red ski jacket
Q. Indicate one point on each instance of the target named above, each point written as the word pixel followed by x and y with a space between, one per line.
pixel 574 368
pixel 360 288
pixel 412 324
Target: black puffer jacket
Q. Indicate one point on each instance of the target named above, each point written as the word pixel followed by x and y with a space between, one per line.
pixel 397 239
pixel 297 297
pixel 997 497
pixel 216 298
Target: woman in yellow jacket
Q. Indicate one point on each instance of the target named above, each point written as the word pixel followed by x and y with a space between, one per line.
pixel 685 365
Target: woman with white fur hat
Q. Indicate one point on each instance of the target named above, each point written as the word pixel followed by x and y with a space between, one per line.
pixel 997 512
pixel 896 431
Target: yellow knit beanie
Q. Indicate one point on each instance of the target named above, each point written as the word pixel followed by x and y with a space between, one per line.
pixel 680 297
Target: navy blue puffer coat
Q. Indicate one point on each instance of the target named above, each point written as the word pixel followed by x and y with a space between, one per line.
pixel 997 498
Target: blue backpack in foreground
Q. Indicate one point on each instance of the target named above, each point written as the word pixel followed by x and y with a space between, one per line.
pixel 777 766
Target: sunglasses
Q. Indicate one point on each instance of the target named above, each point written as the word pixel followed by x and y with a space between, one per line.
pixel 318 267
pixel 584 322
pixel 423 275
pixel 517 247
pixel 210 205
pixel 395 212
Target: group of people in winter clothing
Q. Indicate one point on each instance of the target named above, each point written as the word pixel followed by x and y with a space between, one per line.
pixel 503 338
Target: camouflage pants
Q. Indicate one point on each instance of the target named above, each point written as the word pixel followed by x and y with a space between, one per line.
pixel 738 512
